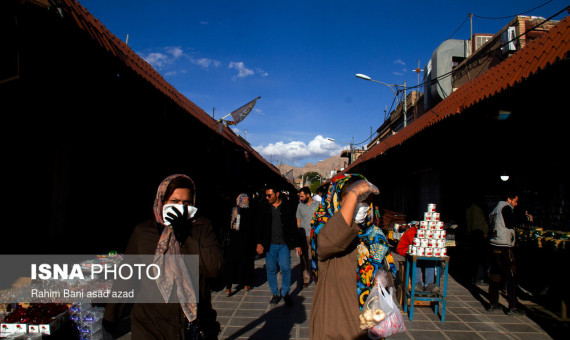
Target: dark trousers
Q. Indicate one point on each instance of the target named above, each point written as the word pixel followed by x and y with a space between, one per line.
pixel 305 260
pixel 503 269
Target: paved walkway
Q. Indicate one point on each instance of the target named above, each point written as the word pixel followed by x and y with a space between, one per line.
pixel 248 315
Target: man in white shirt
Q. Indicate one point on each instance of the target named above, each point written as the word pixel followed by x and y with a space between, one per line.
pixel 305 212
pixel 319 195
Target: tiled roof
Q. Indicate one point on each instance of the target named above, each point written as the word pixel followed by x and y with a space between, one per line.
pixel 537 55
pixel 113 45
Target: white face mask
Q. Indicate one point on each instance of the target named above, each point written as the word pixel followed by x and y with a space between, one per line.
pixel 181 207
pixel 362 210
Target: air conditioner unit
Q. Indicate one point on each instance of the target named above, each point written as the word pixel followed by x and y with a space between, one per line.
pixel 508 40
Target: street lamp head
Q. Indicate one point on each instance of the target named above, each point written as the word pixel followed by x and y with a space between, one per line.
pixel 363 76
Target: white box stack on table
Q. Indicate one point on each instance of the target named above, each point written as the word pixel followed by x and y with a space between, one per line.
pixel 430 237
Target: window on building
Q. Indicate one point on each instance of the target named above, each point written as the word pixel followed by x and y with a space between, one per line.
pixel 480 40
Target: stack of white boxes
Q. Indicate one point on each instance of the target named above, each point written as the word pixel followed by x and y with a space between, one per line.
pixel 430 237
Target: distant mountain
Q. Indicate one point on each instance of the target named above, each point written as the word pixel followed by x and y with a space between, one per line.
pixel 324 167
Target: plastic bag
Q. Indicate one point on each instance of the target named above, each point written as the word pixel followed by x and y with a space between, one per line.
pixel 372 312
pixel 381 278
pixel 393 323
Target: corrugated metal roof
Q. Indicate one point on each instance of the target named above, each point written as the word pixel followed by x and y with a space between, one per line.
pixel 107 40
pixel 537 55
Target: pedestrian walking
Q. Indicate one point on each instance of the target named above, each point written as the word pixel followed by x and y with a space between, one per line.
pixel 175 233
pixel 277 235
pixel 503 265
pixel 305 211
pixel 348 250
pixel 239 253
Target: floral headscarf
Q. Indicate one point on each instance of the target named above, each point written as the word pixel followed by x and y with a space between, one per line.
pixel 173 268
pixel 242 201
pixel 371 249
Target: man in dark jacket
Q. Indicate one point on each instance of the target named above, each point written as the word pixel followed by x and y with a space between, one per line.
pixel 503 266
pixel 276 236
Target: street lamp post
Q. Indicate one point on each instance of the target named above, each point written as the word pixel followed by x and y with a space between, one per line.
pixel 365 77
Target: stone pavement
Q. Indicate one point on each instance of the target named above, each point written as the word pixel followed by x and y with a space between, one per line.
pixel 248 315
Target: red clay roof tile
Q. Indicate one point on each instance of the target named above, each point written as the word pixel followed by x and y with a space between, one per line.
pixel 549 48
pixel 97 31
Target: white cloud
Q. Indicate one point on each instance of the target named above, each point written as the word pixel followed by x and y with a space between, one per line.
pixel 242 70
pixel 205 62
pixel 398 73
pixel 156 59
pixel 261 72
pixel 399 61
pixel 172 56
pixel 323 146
pixel 176 52
pixel 159 59
pixel 294 151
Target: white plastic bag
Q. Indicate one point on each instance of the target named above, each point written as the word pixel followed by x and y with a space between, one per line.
pixel 372 311
pixel 393 323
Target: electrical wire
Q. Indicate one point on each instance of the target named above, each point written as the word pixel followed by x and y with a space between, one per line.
pixel 510 16
pixel 458 28
pixel 483 53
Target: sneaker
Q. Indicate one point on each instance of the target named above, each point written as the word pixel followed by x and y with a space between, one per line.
pixel 419 287
pixel 275 299
pixel 515 311
pixel 433 288
pixel 493 308
pixel 287 300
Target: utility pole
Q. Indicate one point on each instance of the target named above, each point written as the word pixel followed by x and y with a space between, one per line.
pixel 471 32
pixel 405 109
pixel 352 150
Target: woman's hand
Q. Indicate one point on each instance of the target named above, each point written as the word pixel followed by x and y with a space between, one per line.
pixel 362 189
pixel 180 223
pixel 356 193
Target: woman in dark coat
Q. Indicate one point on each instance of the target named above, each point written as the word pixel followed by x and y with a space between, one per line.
pixel 194 236
pixel 240 252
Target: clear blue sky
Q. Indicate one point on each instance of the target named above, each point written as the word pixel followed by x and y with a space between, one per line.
pixel 300 57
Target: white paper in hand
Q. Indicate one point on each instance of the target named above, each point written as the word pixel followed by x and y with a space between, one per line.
pixel 180 207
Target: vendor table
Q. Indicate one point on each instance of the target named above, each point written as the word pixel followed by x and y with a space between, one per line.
pixel 442 265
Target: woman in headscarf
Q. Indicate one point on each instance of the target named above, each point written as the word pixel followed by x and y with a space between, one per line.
pixel 178 233
pixel 348 250
pixel 241 250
